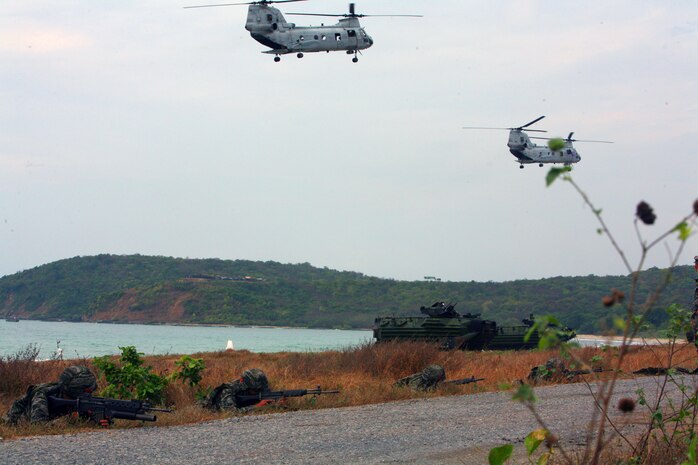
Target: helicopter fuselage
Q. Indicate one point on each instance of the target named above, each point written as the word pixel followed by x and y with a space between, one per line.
pixel 269 27
pixel 526 152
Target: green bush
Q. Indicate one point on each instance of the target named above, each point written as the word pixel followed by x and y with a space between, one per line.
pixel 130 379
pixel 189 370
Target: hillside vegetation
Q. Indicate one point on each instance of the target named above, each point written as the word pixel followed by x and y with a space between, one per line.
pixel 146 289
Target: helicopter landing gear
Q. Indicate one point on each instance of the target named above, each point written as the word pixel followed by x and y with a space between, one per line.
pixel 540 164
pixel 277 59
pixel 521 166
pixel 300 55
pixel 356 58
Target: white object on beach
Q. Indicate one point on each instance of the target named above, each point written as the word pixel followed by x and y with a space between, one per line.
pixel 230 345
pixel 59 353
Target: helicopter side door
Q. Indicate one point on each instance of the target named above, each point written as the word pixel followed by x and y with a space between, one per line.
pixel 352 42
pixel 570 155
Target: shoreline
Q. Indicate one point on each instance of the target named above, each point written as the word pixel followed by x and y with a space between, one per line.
pixel 636 339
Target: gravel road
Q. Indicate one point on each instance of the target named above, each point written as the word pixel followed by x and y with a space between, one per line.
pixel 445 430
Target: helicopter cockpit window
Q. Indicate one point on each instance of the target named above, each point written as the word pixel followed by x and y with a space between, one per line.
pixel 569 152
pixel 270 18
pixel 351 33
pixel 522 140
pixel 337 36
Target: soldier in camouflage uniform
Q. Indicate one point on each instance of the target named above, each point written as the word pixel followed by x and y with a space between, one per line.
pixel 253 381
pixel 34 406
pixel 554 368
pixel 425 380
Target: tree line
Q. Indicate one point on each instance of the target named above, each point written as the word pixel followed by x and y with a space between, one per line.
pixel 76 289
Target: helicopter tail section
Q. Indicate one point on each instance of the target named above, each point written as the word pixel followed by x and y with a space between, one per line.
pixel 264 19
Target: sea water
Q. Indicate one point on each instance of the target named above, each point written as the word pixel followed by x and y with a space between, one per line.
pixel 94 339
pixel 77 340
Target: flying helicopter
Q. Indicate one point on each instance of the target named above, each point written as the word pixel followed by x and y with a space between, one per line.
pixel 558 150
pixel 268 26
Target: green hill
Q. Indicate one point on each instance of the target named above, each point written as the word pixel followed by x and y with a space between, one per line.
pixel 144 289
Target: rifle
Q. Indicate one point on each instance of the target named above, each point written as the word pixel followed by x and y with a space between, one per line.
pixel 246 400
pixel 104 411
pixel 573 373
pixel 472 379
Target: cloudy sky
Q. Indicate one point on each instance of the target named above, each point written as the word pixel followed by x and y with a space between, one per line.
pixel 142 127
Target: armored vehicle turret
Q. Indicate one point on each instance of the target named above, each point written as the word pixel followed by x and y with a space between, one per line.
pixel 445 326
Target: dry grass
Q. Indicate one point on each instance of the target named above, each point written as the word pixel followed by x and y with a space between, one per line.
pixel 364 375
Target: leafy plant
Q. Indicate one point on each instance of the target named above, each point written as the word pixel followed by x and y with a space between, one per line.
pixel 188 370
pixel 668 423
pixel 130 379
pixel 501 454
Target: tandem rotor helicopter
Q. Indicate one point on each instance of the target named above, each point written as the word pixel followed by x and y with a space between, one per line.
pixel 269 27
pixel 557 150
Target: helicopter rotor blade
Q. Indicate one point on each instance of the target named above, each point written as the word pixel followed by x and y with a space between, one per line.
pixel 596 141
pixel 389 16
pixel 534 121
pixel 348 15
pixel 260 2
pixel 352 13
pixel 312 14
pixel 573 140
pixel 480 127
pixel 506 129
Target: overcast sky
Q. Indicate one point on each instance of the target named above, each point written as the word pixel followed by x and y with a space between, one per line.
pixel 142 127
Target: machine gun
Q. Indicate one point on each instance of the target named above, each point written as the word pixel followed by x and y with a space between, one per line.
pixel 573 373
pixel 441 310
pixel 472 379
pixel 104 411
pixel 247 400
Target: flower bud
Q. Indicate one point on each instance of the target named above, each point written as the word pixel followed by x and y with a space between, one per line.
pixel 626 405
pixel 645 213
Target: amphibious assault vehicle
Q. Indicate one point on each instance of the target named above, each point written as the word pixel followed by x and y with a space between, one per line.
pixel 442 324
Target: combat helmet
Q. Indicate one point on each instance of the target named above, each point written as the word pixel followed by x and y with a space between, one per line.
pixel 433 374
pixel 255 378
pixel 76 381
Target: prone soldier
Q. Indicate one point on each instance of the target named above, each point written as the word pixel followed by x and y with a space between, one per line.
pixel 34 405
pixel 224 397
pixel 250 391
pixel 429 378
pixel 425 380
